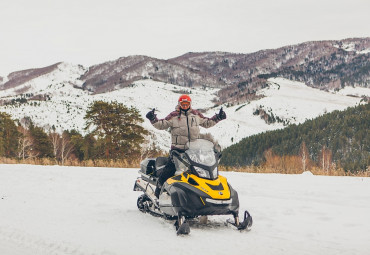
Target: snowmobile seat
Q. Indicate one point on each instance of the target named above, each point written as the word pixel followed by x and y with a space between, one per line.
pixel 148 166
pixel 160 163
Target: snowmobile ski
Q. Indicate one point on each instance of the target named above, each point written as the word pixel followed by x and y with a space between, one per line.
pixel 246 224
pixel 182 226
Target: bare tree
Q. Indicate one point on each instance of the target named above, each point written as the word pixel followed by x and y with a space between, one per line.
pixel 329 158
pixel 55 140
pixel 25 143
pixel 303 153
pixel 326 159
pixel 65 148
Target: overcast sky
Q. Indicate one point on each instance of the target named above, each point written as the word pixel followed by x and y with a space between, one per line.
pixel 36 33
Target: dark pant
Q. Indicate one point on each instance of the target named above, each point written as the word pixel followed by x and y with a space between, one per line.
pixel 168 171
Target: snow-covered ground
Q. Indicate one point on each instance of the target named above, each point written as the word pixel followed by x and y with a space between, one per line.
pixel 351 47
pixel 354 91
pixel 69 210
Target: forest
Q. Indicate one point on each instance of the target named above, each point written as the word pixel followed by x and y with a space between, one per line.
pixel 114 136
pixel 339 139
pixel 113 133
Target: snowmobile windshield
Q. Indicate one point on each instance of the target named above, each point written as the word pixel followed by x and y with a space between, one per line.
pixel 201 151
pixel 203 158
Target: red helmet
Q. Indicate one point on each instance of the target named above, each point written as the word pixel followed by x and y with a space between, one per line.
pixel 184 102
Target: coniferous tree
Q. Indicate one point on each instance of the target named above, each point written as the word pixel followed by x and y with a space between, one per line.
pixel 77 141
pixel 89 147
pixel 8 136
pixel 42 146
pixel 344 135
pixel 116 128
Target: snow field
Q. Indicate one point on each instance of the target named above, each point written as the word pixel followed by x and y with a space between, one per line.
pixel 72 210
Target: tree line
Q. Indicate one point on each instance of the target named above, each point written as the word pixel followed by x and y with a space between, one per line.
pixel 113 132
pixel 340 139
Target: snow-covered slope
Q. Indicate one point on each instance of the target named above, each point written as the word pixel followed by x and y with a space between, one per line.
pixel 66 104
pixel 69 210
pixel 65 73
pixel 289 100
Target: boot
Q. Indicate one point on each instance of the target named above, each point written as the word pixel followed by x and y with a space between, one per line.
pixel 157 191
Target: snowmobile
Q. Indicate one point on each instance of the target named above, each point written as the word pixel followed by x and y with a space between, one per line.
pixel 196 190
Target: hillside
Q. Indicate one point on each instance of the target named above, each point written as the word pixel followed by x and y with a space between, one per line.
pixel 69 210
pixel 344 133
pixel 250 87
pixel 54 101
pixel 321 64
pixel 324 64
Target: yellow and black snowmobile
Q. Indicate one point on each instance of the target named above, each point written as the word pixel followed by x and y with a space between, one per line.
pixel 196 189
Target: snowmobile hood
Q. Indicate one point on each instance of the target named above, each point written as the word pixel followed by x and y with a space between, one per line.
pixel 216 189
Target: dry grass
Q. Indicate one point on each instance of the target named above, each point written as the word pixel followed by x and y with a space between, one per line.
pixel 74 162
pixel 87 163
pixel 283 167
pixel 293 164
pixel 313 170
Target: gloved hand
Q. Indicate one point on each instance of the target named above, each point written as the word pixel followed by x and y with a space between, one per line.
pixel 150 115
pixel 221 115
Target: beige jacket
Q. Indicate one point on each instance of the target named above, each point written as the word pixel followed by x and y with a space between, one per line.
pixel 184 126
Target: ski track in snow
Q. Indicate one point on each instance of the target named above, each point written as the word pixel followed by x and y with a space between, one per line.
pixel 85 211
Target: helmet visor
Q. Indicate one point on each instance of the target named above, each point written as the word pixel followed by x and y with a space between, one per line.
pixel 185 105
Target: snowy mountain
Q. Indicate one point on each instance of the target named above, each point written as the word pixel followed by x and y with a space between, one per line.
pixel 70 210
pixel 58 95
pixel 322 64
pixel 56 99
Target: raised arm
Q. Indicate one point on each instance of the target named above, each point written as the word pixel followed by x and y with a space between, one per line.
pixel 160 123
pixel 210 122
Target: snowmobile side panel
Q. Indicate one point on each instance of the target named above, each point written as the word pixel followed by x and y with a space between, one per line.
pixel 149 178
pixel 145 186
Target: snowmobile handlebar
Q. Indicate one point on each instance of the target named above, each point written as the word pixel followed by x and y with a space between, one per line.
pixel 178 155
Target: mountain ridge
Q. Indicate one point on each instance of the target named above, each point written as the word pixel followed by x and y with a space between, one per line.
pixel 323 64
pixel 58 95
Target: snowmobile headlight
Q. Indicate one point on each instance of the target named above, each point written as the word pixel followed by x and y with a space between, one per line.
pixel 201 172
pixel 215 173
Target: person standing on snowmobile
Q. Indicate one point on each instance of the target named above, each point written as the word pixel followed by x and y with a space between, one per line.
pixel 184 124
